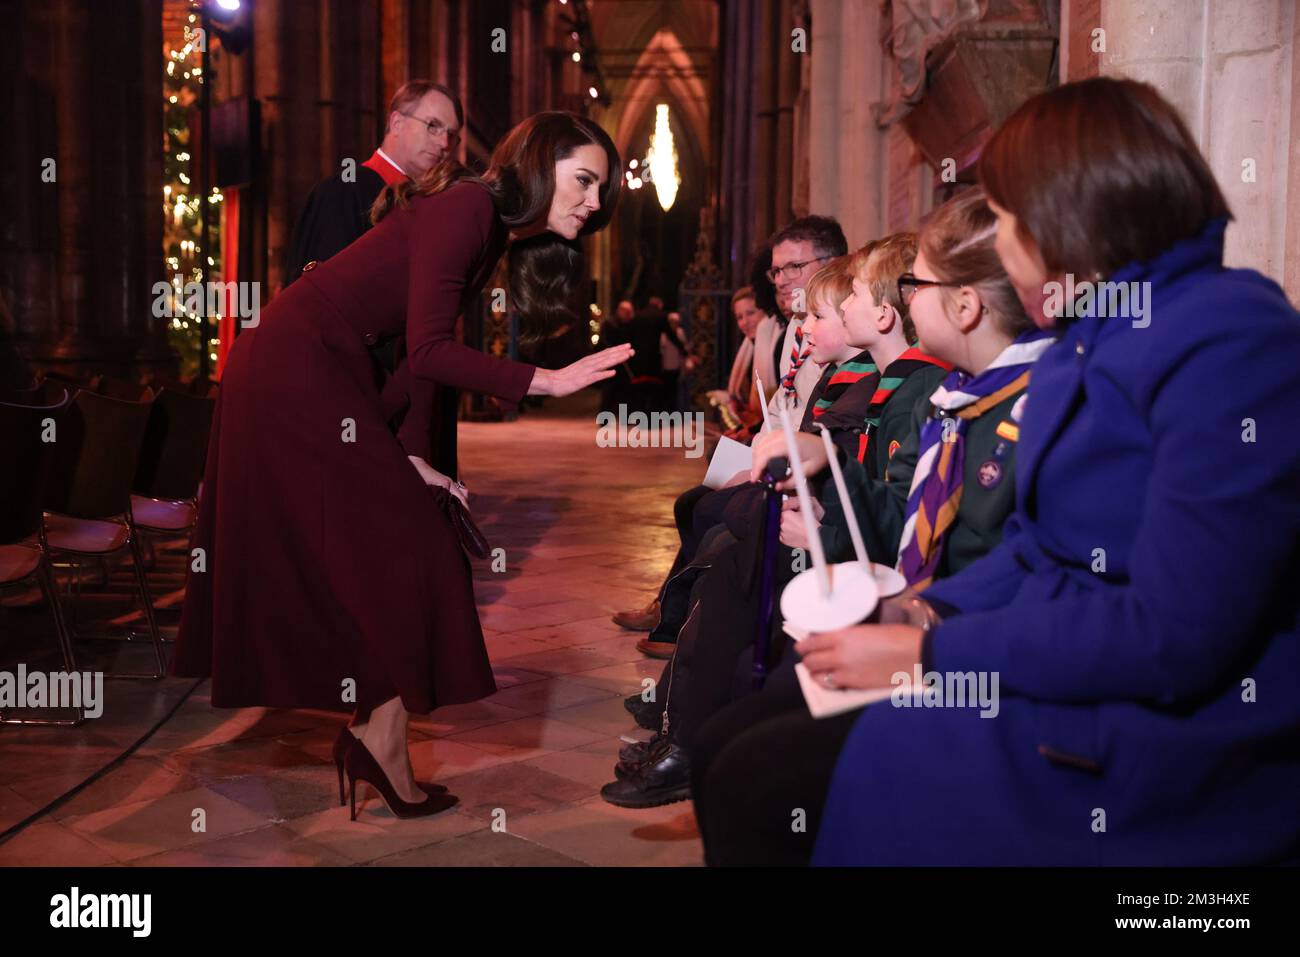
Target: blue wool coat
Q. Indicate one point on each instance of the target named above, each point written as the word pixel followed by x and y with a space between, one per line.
pixel 1149 709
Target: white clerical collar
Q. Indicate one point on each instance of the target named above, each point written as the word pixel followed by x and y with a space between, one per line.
pixel 381 152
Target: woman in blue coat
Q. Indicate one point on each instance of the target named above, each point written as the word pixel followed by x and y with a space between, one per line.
pixel 1140 616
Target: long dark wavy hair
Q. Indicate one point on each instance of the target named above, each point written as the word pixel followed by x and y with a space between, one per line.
pixel 546 273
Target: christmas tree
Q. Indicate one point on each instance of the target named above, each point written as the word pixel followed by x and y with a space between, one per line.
pixel 182 235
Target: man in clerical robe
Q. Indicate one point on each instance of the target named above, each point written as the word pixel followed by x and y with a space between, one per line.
pixel 424 125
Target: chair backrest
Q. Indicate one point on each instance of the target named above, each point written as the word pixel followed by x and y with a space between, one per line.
pixel 199 385
pixel 175 445
pixel 25 464
pixel 96 455
pixel 72 383
pixel 21 395
pixel 122 389
pixel 51 392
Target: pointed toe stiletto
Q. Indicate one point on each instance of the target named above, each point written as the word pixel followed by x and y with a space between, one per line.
pixel 341 745
pixel 360 765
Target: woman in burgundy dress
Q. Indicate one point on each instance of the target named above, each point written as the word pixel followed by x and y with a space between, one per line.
pixel 329 578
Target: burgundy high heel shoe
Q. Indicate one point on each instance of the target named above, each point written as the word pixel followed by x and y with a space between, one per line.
pixel 341 745
pixel 361 765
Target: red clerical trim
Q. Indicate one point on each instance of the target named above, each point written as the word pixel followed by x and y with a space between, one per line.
pixel 390 173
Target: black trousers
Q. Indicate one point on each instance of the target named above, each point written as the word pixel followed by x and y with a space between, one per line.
pixel 714 657
pixel 760 772
pixel 696 511
pixel 668 396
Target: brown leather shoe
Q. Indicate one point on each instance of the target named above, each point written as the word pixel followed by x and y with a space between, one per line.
pixel 643 619
pixel 656 649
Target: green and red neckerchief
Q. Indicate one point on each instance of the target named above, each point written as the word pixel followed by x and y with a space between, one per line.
pixel 840 399
pixel 895 374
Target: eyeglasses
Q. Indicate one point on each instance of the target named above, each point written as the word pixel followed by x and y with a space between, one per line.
pixel 908 285
pixel 436 129
pixel 790 270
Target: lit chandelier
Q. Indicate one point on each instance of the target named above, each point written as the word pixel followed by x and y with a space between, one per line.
pixel 662 159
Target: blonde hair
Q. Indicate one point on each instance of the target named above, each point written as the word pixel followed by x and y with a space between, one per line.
pixel 832 283
pixel 879 264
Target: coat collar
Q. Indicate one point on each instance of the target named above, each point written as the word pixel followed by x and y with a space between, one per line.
pixel 388 171
pixel 1058 375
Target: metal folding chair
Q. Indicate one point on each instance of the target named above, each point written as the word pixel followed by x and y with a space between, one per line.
pixel 88 503
pixel 164 500
pixel 24 551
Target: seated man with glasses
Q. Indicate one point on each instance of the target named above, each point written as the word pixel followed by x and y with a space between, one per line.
pixel 798 251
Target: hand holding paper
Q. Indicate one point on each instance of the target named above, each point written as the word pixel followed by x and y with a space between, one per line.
pixel 729 458
pixel 861 656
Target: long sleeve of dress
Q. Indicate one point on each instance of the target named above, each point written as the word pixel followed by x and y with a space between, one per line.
pixel 450 240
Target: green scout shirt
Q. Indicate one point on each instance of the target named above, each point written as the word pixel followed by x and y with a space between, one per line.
pixel 988 491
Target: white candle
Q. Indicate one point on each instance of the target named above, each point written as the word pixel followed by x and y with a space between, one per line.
pixel 805 505
pixel 762 400
pixel 855 532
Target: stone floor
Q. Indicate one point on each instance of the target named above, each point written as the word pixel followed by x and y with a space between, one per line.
pixel 586 530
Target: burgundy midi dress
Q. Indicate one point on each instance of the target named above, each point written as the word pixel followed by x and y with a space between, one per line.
pixel 326 564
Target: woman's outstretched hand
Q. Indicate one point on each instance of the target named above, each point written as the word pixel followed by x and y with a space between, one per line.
pixel 579 375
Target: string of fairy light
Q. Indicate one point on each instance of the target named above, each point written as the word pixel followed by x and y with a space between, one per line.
pixel 182 81
pixel 578 20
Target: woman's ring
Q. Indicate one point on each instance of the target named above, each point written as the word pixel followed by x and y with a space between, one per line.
pixel 828 681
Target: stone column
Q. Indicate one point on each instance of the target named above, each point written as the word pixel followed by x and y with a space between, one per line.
pixel 412 34
pixel 847 159
pixel 83 251
pixel 349 84
pixel 29 239
pixel 766 80
pixel 1230 67
pixel 1291 242
pixel 131 261
pixel 1077 59
pixel 760 84
pixel 316 73
pixel 737 230
pixel 74 337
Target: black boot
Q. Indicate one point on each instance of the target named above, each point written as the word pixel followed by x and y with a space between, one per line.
pixel 664 777
pixel 648 714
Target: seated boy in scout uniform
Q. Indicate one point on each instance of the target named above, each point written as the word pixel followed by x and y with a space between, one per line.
pixel 718 631
pixel 940 499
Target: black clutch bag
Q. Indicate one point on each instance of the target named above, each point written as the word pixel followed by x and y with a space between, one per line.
pixel 471 539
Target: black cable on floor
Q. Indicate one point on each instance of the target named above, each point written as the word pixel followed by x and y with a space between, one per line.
pixel 62 798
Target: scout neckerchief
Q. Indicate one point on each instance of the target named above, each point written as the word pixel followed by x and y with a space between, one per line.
pixel 936 491
pixel 895 374
pixel 838 379
pixel 798 354
pixel 840 399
